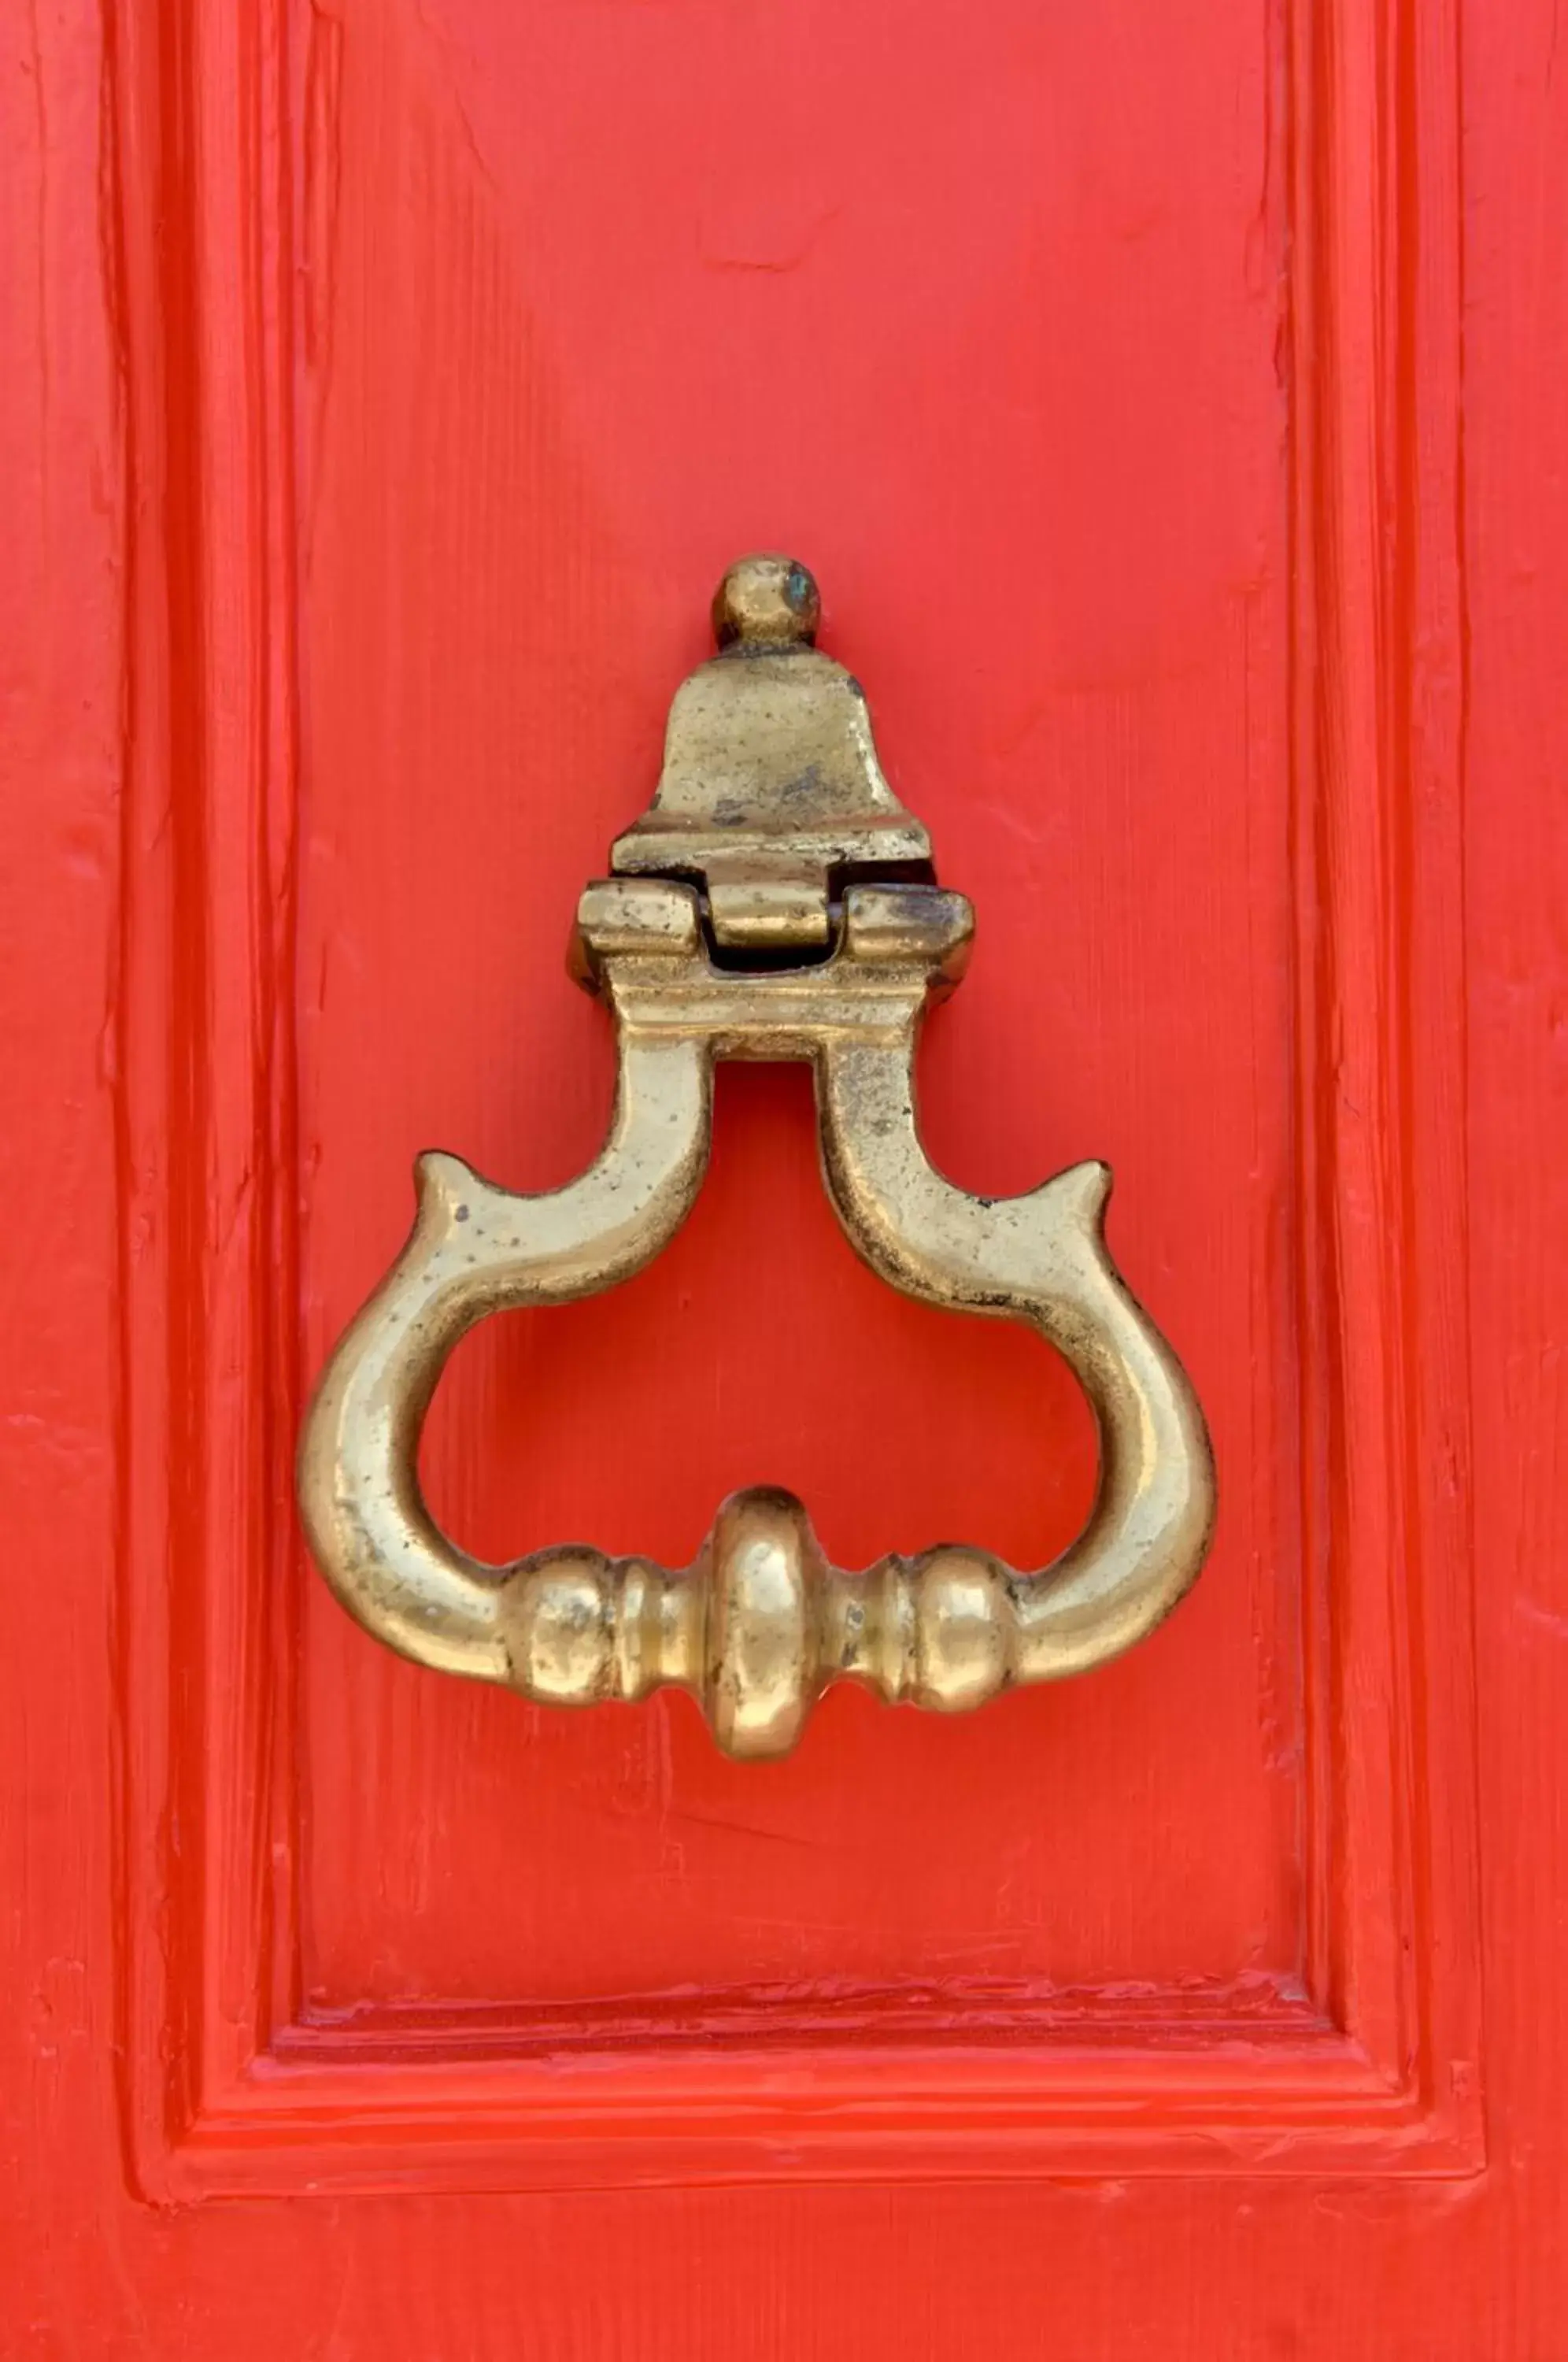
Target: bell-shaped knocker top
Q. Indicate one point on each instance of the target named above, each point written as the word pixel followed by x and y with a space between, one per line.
pixel 776 901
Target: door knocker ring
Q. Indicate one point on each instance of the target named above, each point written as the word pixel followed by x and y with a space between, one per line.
pixel 775 901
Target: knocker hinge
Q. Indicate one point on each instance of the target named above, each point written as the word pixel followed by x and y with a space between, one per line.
pixel 771 802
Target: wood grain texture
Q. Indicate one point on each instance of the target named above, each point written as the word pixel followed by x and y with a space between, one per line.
pixel 190 1738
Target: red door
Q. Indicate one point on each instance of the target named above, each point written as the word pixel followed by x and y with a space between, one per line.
pixel 1168 403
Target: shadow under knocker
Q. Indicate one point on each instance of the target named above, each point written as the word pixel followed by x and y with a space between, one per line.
pixel 775 901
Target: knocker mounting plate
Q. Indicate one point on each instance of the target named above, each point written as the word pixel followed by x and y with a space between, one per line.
pixel 775 901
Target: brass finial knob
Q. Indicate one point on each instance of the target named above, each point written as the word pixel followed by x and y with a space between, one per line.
pixel 767 602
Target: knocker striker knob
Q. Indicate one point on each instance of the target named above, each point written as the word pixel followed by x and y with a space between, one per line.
pixel 775 900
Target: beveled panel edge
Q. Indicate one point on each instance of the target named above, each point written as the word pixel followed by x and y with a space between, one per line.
pixel 215 2095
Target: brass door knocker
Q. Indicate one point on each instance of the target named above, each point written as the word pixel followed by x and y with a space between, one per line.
pixel 775 901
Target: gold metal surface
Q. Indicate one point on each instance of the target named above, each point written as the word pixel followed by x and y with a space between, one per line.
pixel 776 901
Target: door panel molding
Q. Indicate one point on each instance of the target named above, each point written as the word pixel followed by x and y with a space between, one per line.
pixel 1371 2061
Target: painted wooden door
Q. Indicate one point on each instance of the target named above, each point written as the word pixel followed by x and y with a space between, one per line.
pixel 1168 401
